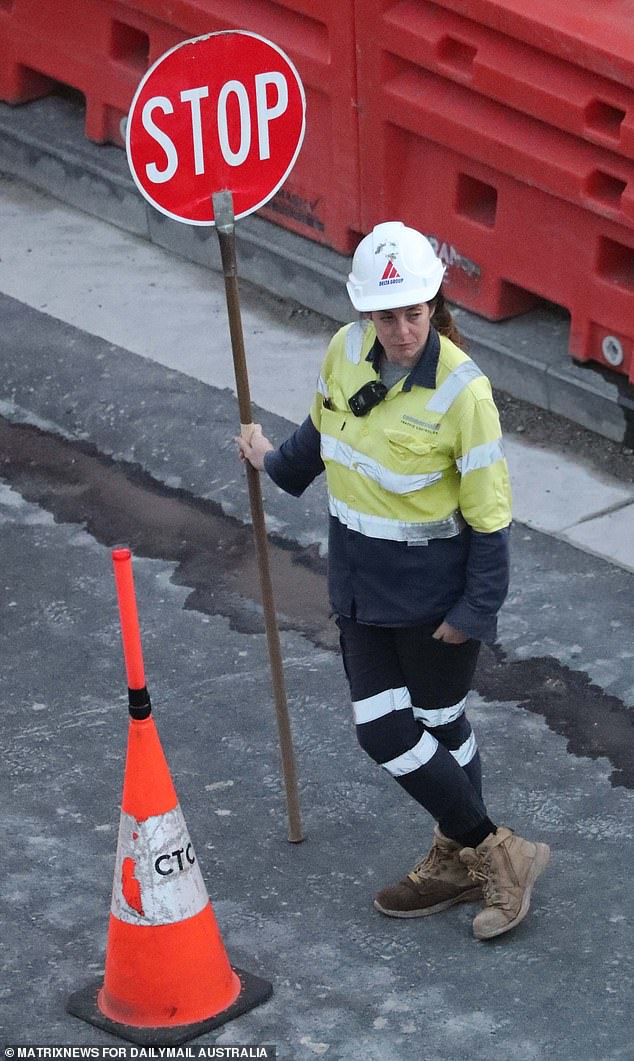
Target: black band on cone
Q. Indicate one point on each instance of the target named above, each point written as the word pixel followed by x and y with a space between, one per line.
pixel 139 703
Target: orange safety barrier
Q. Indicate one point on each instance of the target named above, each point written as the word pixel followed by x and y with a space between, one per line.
pixel 103 48
pixel 506 244
pixel 167 975
pixel 595 34
pixel 99 48
pixel 554 90
pixel 513 143
pixel 520 209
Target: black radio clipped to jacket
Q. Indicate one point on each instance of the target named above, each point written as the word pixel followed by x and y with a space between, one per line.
pixel 367 397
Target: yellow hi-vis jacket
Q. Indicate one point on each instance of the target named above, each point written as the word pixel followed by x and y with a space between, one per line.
pixel 419 496
pixel 420 461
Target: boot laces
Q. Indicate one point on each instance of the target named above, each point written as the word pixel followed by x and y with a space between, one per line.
pixel 428 863
pixel 482 872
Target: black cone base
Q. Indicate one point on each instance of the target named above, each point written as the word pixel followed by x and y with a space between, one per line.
pixel 253 991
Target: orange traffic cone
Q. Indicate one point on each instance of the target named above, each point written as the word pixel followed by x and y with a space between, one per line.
pixel 167 976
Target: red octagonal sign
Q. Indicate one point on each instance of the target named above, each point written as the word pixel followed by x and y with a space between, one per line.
pixel 222 112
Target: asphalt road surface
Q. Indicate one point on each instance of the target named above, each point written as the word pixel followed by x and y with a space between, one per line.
pixel 102 447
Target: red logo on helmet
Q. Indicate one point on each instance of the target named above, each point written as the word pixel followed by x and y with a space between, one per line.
pixel 391 275
pixel 391 272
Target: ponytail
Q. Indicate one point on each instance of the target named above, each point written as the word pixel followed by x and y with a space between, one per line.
pixel 443 322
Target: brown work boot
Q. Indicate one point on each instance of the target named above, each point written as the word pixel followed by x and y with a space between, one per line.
pixel 507 867
pixel 439 880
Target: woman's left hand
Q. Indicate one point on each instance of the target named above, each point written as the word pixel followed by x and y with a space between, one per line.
pixel 450 634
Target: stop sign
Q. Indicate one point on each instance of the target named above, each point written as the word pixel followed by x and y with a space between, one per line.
pixel 222 112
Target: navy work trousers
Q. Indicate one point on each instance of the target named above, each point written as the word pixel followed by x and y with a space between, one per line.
pixel 408 694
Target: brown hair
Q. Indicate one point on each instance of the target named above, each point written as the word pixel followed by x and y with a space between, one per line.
pixel 442 320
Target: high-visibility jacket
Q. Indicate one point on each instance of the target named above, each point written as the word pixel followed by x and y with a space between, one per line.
pixel 421 458
pixel 418 488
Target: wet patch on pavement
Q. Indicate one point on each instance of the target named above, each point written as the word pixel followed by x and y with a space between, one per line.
pixel 120 504
pixel 596 724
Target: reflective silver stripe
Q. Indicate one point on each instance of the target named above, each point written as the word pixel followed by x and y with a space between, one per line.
pixel 411 760
pixel 157 879
pixel 442 716
pixel 395 530
pixel 333 449
pixel 465 753
pixel 455 383
pixel 354 341
pixel 373 707
pixel 481 456
pixel 321 386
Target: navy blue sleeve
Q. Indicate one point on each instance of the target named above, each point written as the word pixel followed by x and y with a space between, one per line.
pixel 486 585
pixel 298 461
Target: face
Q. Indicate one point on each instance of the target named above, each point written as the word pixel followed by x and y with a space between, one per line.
pixel 403 332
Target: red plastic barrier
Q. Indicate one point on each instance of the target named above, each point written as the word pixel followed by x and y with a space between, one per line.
pixel 507 244
pixel 526 78
pixel 595 34
pixel 520 210
pixel 434 108
pixel 103 48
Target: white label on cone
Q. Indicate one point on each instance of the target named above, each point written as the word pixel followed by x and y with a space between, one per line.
pixel 157 879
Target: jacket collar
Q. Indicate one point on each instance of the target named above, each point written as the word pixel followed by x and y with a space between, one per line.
pixel 424 372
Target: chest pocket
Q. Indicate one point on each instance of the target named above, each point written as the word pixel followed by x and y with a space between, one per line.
pixel 336 396
pixel 415 451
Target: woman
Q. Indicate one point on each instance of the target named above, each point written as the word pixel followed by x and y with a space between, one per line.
pixel 405 426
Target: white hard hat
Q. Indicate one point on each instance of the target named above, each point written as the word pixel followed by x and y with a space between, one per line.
pixel 393 266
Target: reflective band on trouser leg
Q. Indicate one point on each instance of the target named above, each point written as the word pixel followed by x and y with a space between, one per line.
pixel 414 758
pixel 450 726
pixel 444 788
pixel 428 771
pixel 452 729
pixel 373 707
pixel 465 753
pixel 386 727
pixel 441 716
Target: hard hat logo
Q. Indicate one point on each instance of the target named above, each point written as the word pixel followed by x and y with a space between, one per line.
pixel 377 282
pixel 391 274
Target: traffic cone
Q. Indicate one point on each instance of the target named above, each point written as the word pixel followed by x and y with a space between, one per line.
pixel 167 975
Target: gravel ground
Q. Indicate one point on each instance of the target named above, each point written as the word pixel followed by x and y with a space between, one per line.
pixel 550 431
